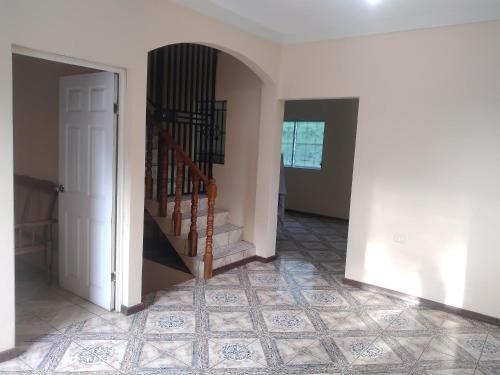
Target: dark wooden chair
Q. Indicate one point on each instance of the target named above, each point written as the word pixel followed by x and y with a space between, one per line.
pixel 34 203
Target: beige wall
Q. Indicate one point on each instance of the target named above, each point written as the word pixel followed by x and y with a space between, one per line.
pixel 36 115
pixel 119 33
pixel 237 84
pixel 425 195
pixel 326 191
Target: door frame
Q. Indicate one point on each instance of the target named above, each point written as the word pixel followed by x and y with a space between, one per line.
pixel 118 238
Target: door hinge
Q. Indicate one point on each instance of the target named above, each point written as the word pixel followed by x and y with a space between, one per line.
pixel 115 108
pixel 113 277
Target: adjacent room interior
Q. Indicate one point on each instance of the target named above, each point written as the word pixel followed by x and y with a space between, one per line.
pixel 53 274
pixel 318 143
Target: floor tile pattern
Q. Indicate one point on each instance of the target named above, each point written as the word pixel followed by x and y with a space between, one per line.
pixel 291 316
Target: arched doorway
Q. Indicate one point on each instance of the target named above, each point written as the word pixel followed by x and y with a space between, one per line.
pixel 209 103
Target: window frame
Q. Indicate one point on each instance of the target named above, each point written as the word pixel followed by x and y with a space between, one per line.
pixel 295 122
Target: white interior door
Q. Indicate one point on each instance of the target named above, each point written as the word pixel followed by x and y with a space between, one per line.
pixel 86 171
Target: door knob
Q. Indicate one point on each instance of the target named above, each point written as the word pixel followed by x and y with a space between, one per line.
pixel 60 188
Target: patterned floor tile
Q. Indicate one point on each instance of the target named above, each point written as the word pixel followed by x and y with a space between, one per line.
pixel 230 321
pixel 79 359
pixel 166 355
pixel 377 353
pixel 225 279
pixel 259 266
pixel 164 322
pixel 226 297
pixel 287 321
pixel 324 298
pixel 275 297
pixel 174 298
pixel 236 353
pixel 290 316
pixel 110 351
pixel 302 352
pixel 343 321
pixel 267 279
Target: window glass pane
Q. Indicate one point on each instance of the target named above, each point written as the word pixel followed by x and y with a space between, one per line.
pixel 287 142
pixel 309 144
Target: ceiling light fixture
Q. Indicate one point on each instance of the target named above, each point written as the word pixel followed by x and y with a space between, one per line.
pixel 373 2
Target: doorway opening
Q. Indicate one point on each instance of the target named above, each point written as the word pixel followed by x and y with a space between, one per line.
pixel 318 144
pixel 65 157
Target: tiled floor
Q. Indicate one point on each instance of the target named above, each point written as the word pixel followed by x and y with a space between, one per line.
pixel 293 316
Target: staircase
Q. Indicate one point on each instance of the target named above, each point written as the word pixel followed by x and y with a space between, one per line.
pixel 228 245
pixel 202 234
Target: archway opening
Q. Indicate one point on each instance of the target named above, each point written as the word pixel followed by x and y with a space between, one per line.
pixel 208 102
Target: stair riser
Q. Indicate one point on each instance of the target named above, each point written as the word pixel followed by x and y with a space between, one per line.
pixel 220 218
pixel 219 240
pixel 224 261
pixel 166 224
pixel 185 206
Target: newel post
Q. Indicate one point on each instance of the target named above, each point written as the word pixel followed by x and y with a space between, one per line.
pixel 164 175
pixel 193 231
pixel 208 258
pixel 177 214
pixel 149 162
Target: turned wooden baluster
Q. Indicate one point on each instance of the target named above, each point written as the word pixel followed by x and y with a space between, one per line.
pixel 208 258
pixel 164 176
pixel 149 162
pixel 193 231
pixel 177 215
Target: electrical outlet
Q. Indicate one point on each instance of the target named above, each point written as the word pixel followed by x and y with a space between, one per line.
pixel 400 238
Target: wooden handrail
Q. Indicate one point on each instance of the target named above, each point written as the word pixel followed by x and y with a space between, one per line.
pixel 178 149
pixel 182 160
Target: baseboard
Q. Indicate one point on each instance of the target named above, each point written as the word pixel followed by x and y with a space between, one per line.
pixel 242 262
pixel 423 302
pixel 129 310
pixel 317 215
pixel 9 354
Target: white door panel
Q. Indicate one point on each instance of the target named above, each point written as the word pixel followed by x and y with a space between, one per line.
pixel 86 157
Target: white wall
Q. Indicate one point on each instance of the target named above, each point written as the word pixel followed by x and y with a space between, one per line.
pixel 237 84
pixel 425 199
pixel 119 33
pixel 326 191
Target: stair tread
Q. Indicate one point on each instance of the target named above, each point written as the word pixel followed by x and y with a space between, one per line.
pixel 232 248
pixel 187 215
pixel 218 229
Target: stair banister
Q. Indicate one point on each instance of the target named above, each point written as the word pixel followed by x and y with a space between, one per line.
pixel 182 160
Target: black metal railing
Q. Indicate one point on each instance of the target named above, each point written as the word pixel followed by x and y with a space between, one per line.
pixel 181 95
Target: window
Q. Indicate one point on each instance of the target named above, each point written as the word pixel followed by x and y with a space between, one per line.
pixel 302 144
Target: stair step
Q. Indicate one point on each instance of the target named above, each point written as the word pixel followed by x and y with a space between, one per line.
pixel 225 256
pixel 228 246
pixel 224 251
pixel 165 223
pixel 224 235
pixel 220 218
pixel 153 206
